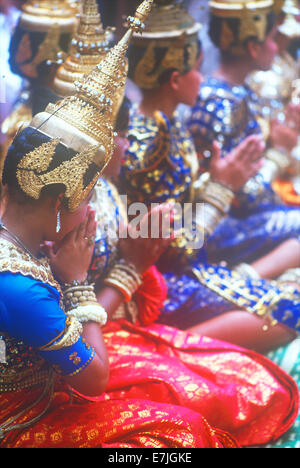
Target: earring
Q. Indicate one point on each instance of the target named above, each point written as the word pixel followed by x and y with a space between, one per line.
pixel 58 223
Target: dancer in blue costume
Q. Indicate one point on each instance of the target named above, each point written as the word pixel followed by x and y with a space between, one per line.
pixel 227 111
pixel 192 297
pixel 161 165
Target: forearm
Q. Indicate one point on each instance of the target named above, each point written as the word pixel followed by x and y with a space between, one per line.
pixel 119 286
pixel 109 298
pixel 92 334
pixel 216 199
pixel 283 258
pixel 92 381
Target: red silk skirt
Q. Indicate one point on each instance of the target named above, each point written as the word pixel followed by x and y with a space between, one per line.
pixel 167 389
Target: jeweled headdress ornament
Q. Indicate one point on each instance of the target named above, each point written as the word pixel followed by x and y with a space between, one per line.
pixel 43 31
pixel 252 16
pixel 290 26
pixel 75 5
pixel 89 45
pixel 83 123
pixel 171 28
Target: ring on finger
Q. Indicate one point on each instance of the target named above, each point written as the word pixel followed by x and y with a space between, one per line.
pixel 90 240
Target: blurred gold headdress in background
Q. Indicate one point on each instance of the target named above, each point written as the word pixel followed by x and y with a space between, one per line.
pixel 40 15
pixel 83 122
pixel 253 21
pixel 169 27
pixel 89 45
pixel 55 18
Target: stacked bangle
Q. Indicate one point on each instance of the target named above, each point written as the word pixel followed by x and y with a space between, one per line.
pixel 280 158
pixel 217 198
pixel 81 303
pixel 244 269
pixel 214 193
pixel 290 276
pixel 125 278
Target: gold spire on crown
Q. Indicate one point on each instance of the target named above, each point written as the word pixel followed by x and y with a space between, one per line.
pixel 291 25
pixel 89 46
pixel 83 122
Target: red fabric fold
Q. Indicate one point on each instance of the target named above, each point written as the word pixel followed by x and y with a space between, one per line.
pixel 168 388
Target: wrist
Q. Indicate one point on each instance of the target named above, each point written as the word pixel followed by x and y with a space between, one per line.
pixel 222 183
pixel 81 303
pixel 214 193
pixel 125 278
pixel 71 283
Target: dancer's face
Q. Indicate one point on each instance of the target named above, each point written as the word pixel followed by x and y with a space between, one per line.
pixel 264 53
pixel 188 85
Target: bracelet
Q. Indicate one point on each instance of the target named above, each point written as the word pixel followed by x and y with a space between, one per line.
pixel 214 193
pixel 244 269
pixel 124 278
pixel 79 295
pixel 276 162
pixel 212 218
pixel 290 276
pixel 81 303
pixel 89 313
pixel 74 283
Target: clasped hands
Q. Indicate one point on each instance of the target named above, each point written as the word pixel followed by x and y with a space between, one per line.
pixel 71 258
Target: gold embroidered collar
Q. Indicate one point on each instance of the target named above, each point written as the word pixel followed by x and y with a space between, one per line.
pixel 15 260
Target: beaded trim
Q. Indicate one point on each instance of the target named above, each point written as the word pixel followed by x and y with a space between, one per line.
pixel 15 260
pixel 71 337
pixel 233 289
pixel 35 380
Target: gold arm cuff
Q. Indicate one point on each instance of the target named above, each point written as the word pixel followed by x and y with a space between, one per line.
pixel 71 337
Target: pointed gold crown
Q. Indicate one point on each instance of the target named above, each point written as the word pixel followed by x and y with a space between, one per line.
pixel 170 27
pixel 89 46
pixel 83 123
pixel 291 25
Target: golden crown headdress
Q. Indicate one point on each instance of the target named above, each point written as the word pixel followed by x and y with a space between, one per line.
pixel 89 45
pixel 171 27
pixel 41 15
pixel 253 20
pixel 54 18
pixel 84 123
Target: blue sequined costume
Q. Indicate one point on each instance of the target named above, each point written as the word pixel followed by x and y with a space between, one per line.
pixel 198 295
pixel 258 221
pixel 39 335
